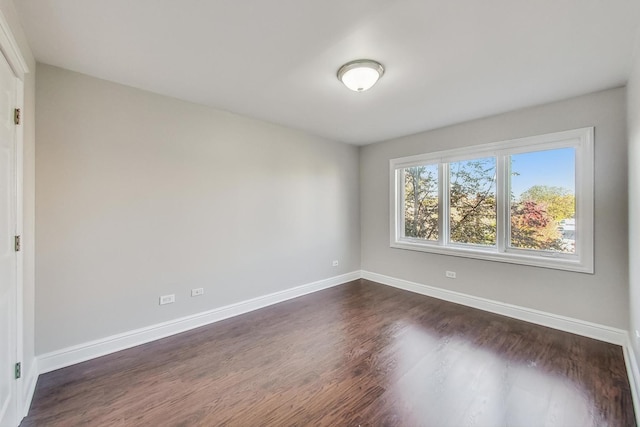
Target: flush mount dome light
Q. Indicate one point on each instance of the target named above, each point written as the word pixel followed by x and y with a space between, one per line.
pixel 361 74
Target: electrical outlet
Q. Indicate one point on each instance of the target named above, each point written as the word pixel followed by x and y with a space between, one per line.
pixel 450 274
pixel 197 292
pixel 167 299
pixel 335 263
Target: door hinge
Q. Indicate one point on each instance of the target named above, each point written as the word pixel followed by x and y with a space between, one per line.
pixel 17 116
pixel 18 370
pixel 17 244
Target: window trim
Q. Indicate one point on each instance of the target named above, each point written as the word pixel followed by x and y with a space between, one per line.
pixel 582 261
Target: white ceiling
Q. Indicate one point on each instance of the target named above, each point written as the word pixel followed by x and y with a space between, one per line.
pixel 446 61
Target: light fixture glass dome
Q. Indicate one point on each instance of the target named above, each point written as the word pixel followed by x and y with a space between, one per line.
pixel 361 74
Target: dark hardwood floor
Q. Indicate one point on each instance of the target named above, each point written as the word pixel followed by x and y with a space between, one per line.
pixel 359 354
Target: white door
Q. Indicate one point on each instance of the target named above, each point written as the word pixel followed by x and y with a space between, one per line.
pixel 8 258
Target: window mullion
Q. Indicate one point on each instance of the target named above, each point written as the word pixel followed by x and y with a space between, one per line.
pixel 443 203
pixel 400 202
pixel 503 201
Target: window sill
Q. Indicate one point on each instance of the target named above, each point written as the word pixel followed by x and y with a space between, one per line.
pixel 490 254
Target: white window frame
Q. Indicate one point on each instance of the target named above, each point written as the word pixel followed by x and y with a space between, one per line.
pixel 582 140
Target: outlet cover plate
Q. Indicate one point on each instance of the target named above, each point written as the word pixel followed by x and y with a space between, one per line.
pixel 167 299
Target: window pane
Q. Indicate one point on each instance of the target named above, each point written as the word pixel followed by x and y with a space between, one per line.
pixel 472 195
pixel 421 202
pixel 543 200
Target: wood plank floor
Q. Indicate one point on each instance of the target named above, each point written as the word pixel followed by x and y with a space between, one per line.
pixel 360 354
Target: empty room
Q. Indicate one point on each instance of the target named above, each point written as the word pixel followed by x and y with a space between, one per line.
pixel 293 213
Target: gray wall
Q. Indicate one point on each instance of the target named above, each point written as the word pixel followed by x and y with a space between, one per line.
pixel 140 195
pixel 600 298
pixel 28 218
pixel 633 114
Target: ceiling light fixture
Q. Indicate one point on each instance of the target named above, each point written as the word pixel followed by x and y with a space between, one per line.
pixel 361 74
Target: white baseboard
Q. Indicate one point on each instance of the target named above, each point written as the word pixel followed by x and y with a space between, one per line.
pixel 567 324
pixel 634 375
pixel 90 350
pixel 29 387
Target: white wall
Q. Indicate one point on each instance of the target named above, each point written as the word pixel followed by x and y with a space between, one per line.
pixel 28 232
pixel 140 195
pixel 633 118
pixel 599 298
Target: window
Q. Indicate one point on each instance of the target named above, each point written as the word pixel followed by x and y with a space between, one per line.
pixel 526 201
pixel 421 202
pixel 472 201
pixel 542 205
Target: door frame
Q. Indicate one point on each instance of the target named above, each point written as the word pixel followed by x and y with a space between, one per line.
pixel 10 50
